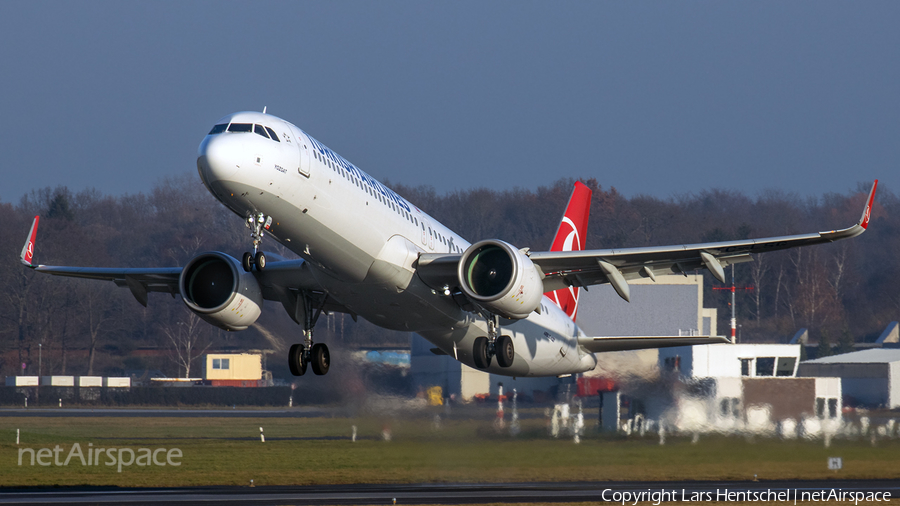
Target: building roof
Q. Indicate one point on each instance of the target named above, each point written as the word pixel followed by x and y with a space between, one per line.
pixel 871 356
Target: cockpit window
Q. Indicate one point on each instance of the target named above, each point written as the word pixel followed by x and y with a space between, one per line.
pixel 258 129
pixel 218 129
pixel 240 127
pixel 272 134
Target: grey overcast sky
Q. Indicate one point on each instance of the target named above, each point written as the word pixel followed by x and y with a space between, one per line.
pixel 657 98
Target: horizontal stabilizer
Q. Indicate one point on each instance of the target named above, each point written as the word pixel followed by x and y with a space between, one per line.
pixel 622 343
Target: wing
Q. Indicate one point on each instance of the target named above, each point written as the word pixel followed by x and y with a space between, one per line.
pixel 281 280
pixel 601 344
pixel 561 269
pixel 616 266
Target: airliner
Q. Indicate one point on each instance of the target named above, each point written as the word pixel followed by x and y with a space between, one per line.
pixel 366 251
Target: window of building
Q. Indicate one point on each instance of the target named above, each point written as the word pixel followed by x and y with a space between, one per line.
pixel 765 366
pixel 221 363
pixel 673 363
pixel 785 366
pixel 746 364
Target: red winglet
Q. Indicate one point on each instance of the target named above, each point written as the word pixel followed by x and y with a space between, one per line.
pixel 28 250
pixel 867 213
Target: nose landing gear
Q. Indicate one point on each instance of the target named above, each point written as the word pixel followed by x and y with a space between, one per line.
pixel 257 223
pixel 494 345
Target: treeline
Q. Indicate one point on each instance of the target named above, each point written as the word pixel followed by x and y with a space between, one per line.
pixel 842 292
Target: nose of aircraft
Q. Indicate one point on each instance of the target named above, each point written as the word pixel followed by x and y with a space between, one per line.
pixel 218 158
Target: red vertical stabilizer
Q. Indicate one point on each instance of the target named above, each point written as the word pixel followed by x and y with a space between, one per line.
pixel 571 237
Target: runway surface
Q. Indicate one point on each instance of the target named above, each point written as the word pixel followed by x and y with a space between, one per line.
pixel 299 412
pixel 613 492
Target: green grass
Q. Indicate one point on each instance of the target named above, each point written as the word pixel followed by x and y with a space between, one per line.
pixel 227 451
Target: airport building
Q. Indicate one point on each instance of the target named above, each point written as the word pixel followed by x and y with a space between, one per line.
pixel 235 370
pixel 868 377
pixel 741 387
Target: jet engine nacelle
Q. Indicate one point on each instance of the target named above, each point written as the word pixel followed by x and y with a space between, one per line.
pixel 501 279
pixel 216 287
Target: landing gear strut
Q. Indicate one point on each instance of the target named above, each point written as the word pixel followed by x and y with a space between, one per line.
pixel 309 354
pixel 494 345
pixel 257 223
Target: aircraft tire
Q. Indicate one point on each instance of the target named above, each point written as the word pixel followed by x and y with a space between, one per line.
pixel 505 351
pixel 480 354
pixel 320 358
pixel 296 360
pixel 260 260
pixel 247 261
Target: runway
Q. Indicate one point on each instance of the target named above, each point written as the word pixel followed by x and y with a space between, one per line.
pixel 610 492
pixel 299 412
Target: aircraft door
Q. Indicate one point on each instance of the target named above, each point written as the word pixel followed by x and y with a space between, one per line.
pixel 299 151
pixel 424 232
pixel 428 233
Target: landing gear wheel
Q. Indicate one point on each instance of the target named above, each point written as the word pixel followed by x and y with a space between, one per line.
pixel 247 261
pixel 505 351
pixel 320 358
pixel 481 353
pixel 260 260
pixel 297 360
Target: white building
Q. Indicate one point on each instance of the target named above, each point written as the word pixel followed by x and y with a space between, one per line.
pixel 731 361
pixel 724 387
pixel 869 377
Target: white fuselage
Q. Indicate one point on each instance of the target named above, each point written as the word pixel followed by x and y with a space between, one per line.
pixel 362 241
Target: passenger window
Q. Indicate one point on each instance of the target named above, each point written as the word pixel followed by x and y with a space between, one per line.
pixel 258 129
pixel 272 134
pixel 218 129
pixel 240 127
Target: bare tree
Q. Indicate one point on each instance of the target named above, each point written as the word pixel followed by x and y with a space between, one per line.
pixel 188 338
pixel 757 272
pixel 96 301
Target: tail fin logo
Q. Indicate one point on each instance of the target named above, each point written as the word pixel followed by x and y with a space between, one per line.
pixel 27 254
pixel 867 214
pixel 572 241
pixel 571 237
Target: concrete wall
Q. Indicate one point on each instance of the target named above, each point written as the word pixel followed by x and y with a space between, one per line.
pixel 787 397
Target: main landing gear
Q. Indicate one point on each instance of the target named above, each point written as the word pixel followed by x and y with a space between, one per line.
pixel 302 355
pixel 486 348
pixel 256 223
